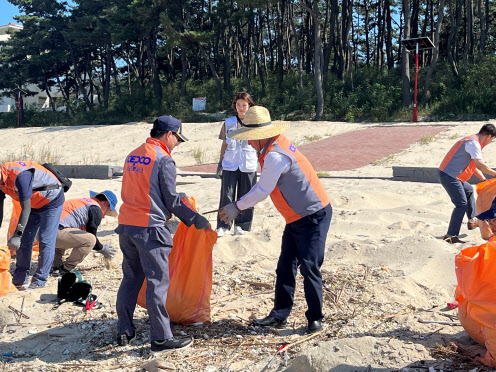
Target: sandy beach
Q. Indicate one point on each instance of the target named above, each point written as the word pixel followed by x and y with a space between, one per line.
pixel 386 267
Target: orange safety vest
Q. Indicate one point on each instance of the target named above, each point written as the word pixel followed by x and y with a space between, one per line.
pixel 142 203
pixel 75 212
pixel 41 177
pixel 298 192
pixel 457 163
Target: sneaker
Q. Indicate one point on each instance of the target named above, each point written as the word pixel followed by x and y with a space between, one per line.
pixel 34 286
pixel 22 287
pixel 173 343
pixel 238 230
pixel 59 271
pixel 453 239
pixel 124 339
pixel 221 232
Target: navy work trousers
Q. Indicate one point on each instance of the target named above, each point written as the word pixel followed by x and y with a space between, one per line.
pixel 45 224
pixel 144 257
pixel 303 245
pixel 462 196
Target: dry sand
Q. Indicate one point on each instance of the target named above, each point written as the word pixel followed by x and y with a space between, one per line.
pixel 385 266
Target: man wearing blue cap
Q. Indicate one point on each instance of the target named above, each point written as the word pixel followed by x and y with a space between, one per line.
pixel 149 198
pixel 78 225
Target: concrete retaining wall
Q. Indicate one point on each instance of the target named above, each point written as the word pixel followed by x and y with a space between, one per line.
pixel 421 174
pixel 100 172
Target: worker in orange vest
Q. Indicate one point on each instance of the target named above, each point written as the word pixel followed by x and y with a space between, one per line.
pixel 78 227
pixel 297 193
pixel 41 197
pixel 149 198
pixel 462 161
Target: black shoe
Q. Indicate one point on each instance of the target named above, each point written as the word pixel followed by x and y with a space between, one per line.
pixel 314 326
pixel 270 321
pixel 173 343
pixel 59 271
pixel 124 340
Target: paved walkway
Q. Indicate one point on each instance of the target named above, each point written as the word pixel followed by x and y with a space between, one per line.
pixel 354 149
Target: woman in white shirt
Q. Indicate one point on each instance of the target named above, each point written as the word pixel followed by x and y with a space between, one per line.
pixel 237 167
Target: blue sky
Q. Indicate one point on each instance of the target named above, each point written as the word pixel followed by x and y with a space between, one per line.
pixel 7 12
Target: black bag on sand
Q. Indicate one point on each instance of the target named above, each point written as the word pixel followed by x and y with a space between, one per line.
pixel 73 288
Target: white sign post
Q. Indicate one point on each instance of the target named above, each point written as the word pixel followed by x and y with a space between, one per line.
pixel 199 103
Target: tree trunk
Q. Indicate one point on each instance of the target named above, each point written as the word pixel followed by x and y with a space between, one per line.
pixel 405 58
pixel 212 70
pixel 317 63
pixel 435 51
pixel 297 46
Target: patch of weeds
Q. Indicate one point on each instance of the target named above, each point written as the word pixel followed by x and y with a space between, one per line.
pixel 384 161
pixel 91 159
pixel 200 155
pixel 323 174
pixel 314 137
pixel 427 139
pixel 46 154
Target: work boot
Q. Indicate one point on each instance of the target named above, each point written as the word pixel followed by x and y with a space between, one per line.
pixel 59 271
pixel 270 321
pixel 124 339
pixel 314 326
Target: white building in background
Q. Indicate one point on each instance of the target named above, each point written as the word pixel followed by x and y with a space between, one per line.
pixel 40 100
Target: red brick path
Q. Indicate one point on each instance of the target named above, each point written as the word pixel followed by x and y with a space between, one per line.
pixel 354 149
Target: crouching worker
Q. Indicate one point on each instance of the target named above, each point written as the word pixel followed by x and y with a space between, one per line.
pixel 297 193
pixel 149 198
pixel 77 230
pixel 41 197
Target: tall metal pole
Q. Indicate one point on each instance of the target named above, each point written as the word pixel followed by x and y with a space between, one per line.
pixel 415 108
pixel 19 109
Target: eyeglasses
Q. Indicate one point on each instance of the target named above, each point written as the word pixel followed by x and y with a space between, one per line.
pixel 491 220
pixel 179 140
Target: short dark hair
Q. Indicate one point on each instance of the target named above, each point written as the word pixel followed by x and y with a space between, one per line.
pixel 245 96
pixel 155 133
pixel 100 197
pixel 489 129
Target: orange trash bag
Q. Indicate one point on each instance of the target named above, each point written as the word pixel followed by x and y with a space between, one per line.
pixel 6 285
pixel 486 192
pixel 190 274
pixel 16 211
pixel 476 275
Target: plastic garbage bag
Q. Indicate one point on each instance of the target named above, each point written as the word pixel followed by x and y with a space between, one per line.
pixel 190 274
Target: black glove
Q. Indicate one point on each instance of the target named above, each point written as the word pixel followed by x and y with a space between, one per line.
pixel 201 222
pixel 218 173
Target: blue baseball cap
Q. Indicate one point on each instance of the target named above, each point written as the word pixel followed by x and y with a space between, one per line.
pixel 111 198
pixel 168 123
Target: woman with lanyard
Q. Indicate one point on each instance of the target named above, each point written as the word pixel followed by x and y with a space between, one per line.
pixel 237 167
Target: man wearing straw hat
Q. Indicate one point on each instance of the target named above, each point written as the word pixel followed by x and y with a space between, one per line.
pixel 297 193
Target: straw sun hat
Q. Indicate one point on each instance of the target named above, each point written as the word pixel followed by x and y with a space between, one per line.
pixel 257 125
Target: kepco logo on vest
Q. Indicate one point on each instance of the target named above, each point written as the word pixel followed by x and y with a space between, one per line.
pixel 135 160
pixel 292 148
pixel 22 163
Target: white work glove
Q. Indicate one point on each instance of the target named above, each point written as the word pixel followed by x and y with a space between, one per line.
pixel 14 243
pixel 229 212
pixel 107 251
pixel 201 222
